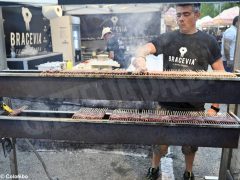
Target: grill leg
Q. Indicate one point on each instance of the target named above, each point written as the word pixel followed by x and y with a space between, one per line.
pixel 224 165
pixel 13 159
pixel 13 154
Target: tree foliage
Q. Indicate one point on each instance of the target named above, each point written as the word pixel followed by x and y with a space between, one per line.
pixel 208 9
pixel 229 5
pixel 213 9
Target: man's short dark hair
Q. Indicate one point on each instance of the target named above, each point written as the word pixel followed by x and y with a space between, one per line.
pixel 235 20
pixel 196 6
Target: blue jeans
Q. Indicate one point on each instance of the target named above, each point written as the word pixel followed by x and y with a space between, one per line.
pixel 228 68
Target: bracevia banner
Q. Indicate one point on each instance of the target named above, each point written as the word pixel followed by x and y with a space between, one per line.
pixel 26 25
pixel 128 25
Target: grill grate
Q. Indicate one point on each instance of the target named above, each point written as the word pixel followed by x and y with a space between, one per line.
pixel 160 116
pixel 162 74
pixel 90 113
pixel 176 117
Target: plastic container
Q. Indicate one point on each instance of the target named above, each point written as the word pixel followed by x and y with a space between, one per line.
pixel 51 66
pixel 102 57
pixel 69 64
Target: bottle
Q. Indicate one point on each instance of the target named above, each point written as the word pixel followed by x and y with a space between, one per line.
pixel 69 65
pixel 94 54
pixel 13 54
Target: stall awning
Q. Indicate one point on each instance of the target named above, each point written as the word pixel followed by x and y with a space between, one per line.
pixel 226 17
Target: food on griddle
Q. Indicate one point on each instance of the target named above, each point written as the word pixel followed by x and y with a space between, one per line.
pixel 89 113
pixel 124 116
pixel 222 120
pixel 172 117
pixel 121 72
pixel 177 117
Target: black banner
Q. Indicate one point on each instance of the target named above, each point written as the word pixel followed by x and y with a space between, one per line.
pixel 131 25
pixel 26 25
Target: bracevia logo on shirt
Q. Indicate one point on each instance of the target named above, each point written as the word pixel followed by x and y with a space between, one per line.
pixel 182 59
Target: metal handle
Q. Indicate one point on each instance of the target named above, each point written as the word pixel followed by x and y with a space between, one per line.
pixel 237 118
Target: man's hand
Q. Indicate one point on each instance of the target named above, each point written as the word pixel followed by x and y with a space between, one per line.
pixel 140 64
pixel 140 56
pixel 111 55
pixel 211 112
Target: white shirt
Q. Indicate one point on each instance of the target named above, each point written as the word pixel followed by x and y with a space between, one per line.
pixel 229 34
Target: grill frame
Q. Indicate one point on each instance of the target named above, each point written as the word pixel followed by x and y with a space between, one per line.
pixel 131 88
pixel 116 132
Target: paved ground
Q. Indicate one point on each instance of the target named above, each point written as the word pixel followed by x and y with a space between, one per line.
pixel 107 163
pixel 206 163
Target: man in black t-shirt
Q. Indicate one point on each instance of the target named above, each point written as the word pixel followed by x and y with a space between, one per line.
pixel 183 49
pixel 115 47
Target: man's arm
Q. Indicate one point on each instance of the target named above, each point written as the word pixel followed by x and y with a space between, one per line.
pixel 111 55
pixel 217 65
pixel 140 56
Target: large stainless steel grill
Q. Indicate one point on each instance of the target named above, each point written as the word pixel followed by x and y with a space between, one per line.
pixel 91 125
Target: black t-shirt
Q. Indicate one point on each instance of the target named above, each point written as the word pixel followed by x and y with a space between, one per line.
pixel 113 45
pixel 183 51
